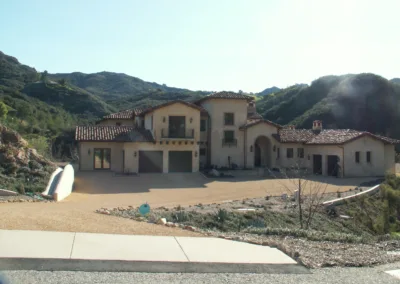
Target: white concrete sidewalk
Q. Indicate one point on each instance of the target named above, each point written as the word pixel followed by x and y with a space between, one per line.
pixel 43 245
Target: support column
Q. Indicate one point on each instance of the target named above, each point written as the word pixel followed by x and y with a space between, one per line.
pixel 165 161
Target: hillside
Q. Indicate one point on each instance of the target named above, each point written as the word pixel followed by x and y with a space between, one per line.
pixel 21 167
pixel 268 91
pixel 361 101
pixel 122 91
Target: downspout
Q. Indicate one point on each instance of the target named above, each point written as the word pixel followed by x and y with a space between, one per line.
pixel 245 148
pixel 342 160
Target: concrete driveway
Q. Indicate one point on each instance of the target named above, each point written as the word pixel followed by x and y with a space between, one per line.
pixel 104 189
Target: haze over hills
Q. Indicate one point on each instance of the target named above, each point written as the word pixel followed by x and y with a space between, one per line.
pixel 48 106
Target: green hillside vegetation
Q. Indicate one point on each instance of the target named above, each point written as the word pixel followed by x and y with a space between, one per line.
pixel 122 91
pixel 364 102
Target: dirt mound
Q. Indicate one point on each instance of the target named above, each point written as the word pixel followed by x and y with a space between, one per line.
pixel 21 168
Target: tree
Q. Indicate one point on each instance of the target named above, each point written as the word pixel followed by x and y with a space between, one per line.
pixel 44 75
pixel 62 82
pixel 3 110
pixel 307 193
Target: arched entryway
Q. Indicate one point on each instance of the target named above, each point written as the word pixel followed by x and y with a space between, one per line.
pixel 262 152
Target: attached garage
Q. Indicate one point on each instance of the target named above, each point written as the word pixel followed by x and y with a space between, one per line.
pixel 150 161
pixel 180 161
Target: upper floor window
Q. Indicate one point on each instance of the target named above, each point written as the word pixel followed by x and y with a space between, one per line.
pixel 357 157
pixel 368 156
pixel 118 124
pixel 203 125
pixel 229 136
pixel 300 152
pixel 151 123
pixel 278 153
pixel 229 118
pixel 289 153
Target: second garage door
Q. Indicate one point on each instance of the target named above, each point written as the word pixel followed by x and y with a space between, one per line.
pixel 179 161
pixel 150 161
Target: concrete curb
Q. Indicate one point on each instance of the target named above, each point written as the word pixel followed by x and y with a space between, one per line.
pixel 46 264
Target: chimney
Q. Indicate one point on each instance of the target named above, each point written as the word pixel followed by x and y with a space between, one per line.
pixel 317 125
pixel 251 108
pixel 291 127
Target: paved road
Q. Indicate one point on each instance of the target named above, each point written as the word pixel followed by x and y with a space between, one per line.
pixel 375 275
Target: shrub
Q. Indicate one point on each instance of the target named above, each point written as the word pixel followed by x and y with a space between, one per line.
pixel 20 188
pixel 180 217
pixel 35 165
pixel 222 215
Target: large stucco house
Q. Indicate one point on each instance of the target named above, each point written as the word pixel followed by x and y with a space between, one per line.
pixel 224 130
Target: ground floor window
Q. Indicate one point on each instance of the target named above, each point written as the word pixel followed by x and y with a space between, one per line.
pixel 102 158
pixel 289 153
pixel 368 156
pixel 300 153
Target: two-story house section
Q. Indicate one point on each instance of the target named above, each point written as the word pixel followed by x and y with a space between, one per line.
pixel 224 130
pixel 164 138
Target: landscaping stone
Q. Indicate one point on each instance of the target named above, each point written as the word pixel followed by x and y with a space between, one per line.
pixel 162 221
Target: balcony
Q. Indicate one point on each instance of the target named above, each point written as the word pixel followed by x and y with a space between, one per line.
pixel 229 142
pixel 177 134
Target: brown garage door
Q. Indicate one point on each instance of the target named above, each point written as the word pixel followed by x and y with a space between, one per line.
pixel 150 161
pixel 179 161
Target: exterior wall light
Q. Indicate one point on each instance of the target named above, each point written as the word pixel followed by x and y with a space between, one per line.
pixel 163 119
pixel 191 119
pixel 308 157
pixel 251 148
pixel 88 152
pixel 135 154
pixel 195 154
pixel 274 148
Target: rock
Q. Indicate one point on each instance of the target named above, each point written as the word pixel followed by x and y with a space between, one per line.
pixel 21 200
pixel 214 173
pixel 141 219
pixel 162 221
pixel 106 212
pixel 190 228
pixel 169 224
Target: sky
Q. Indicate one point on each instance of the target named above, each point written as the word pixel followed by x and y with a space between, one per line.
pixel 210 45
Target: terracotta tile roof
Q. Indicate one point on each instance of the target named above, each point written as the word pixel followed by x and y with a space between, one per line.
pixel 254 115
pixel 113 133
pixel 326 136
pixel 334 136
pixel 125 114
pixel 226 95
pixel 294 135
pixel 192 105
pixel 252 122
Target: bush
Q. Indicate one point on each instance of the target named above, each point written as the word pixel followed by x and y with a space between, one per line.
pixel 35 165
pixel 20 188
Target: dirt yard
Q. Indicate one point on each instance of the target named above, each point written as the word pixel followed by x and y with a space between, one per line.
pixel 94 190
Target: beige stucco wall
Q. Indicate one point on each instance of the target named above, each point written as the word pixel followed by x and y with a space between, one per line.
pixel 252 134
pixel 86 161
pixel 285 162
pixel 216 109
pixel 390 165
pixel 113 122
pixel 375 168
pixel 132 162
pixel 177 109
